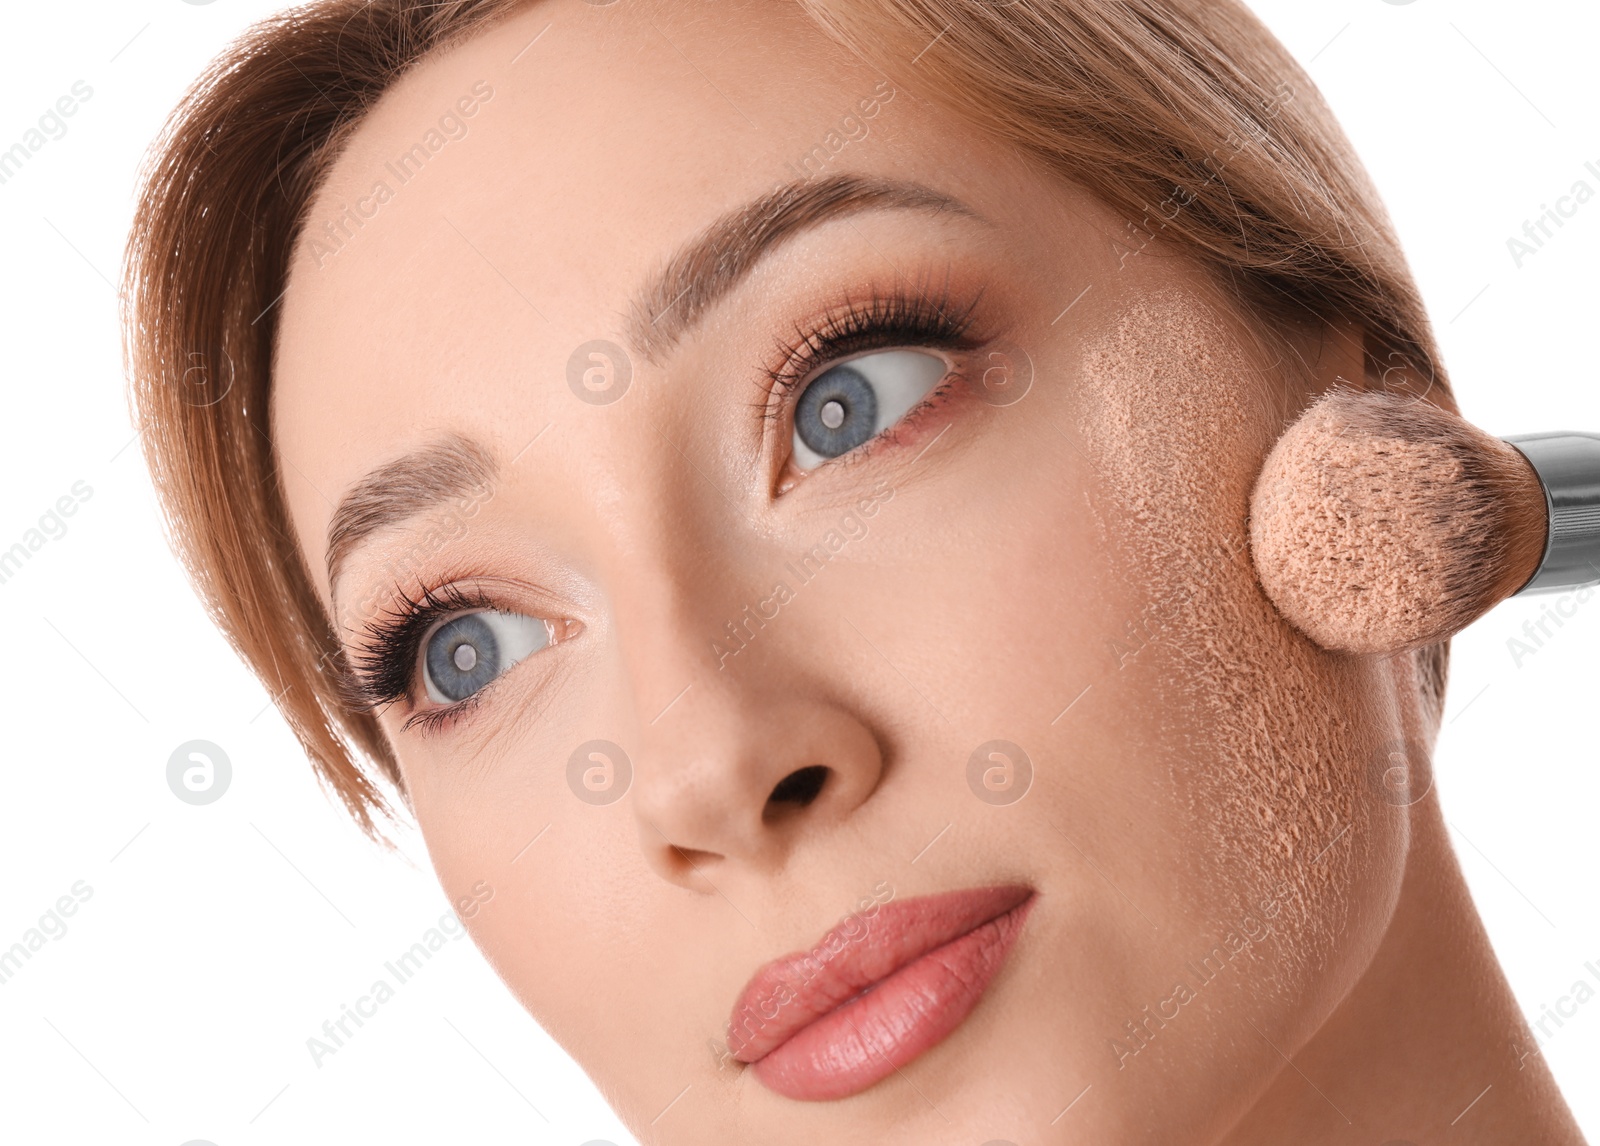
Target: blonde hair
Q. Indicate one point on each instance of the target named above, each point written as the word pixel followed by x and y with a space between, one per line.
pixel 1137 101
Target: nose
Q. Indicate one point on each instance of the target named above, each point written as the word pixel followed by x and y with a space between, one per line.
pixel 736 759
pixel 735 771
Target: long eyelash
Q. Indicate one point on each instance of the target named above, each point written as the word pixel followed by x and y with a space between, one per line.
pixel 876 323
pixel 385 665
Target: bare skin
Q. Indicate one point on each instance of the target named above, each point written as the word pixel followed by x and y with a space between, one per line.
pixel 992 569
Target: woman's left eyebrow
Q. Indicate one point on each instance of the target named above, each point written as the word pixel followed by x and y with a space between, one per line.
pixel 712 263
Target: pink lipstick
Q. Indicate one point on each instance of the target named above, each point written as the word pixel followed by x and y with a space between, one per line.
pixel 875 993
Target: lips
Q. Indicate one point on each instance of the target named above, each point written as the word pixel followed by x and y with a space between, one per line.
pixel 875 993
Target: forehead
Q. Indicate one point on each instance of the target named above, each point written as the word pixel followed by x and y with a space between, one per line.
pixel 502 201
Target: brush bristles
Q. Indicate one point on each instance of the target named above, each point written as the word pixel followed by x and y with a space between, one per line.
pixel 1383 523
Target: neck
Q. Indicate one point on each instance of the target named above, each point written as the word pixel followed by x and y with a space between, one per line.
pixel 1430 1042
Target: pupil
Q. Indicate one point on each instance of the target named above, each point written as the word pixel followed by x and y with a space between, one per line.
pixel 832 414
pixel 466 656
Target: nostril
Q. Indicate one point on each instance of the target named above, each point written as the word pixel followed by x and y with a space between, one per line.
pixel 796 790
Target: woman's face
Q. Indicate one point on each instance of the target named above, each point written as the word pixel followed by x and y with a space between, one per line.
pixel 791 505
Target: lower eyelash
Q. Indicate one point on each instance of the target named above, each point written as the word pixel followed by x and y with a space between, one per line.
pixel 436 719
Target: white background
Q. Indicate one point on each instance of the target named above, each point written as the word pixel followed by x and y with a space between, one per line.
pixel 219 938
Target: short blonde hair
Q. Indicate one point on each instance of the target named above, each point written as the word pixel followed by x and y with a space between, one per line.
pixel 1185 117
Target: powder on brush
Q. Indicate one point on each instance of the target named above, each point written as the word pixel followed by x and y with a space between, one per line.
pixel 1382 523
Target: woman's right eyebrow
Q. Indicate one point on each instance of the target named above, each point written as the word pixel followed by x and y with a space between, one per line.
pixel 711 264
pixel 453 468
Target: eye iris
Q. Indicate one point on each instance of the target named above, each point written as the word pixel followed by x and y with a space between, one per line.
pixel 837 412
pixel 462 657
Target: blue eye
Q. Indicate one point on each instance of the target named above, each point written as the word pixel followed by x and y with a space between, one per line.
pixel 855 401
pixel 464 653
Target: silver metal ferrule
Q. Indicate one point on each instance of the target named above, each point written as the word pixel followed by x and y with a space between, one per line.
pixel 1568 465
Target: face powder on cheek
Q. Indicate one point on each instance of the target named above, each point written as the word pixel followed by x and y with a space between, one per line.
pixel 1266 735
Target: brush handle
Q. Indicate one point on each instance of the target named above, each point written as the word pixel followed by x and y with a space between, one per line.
pixel 1568 465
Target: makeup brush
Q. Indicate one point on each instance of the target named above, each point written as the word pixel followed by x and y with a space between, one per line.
pixel 1382 523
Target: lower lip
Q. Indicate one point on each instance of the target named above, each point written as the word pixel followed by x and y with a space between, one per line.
pixel 897 1019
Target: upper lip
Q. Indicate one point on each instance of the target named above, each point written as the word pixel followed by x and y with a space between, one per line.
pixel 791 992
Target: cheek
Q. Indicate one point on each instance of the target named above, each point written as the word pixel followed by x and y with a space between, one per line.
pixel 575 912
pixel 1264 739
pixel 539 930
